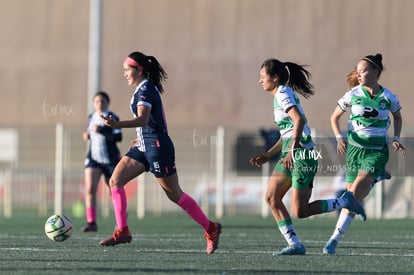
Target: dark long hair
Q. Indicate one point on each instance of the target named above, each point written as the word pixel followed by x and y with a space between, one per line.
pixel 152 69
pixel 291 74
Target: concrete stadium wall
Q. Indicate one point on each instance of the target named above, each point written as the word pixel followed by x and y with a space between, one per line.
pixel 211 49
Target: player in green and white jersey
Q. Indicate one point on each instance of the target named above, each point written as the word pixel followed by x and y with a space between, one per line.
pixel 366 147
pixel 298 164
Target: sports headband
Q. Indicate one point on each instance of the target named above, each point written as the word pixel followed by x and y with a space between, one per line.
pixel 131 62
pixel 373 63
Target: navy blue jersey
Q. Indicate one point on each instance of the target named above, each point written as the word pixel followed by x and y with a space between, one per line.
pixel 102 145
pixel 147 94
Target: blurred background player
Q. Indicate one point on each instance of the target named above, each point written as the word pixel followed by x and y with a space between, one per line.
pixel 284 80
pixel 153 151
pixel 366 145
pixel 102 156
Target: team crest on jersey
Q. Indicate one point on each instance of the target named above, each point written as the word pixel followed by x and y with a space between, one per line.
pixel 383 104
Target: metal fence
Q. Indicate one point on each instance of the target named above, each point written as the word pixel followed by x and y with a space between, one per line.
pixel 212 166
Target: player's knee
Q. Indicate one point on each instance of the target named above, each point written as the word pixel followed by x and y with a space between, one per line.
pixel 273 202
pixel 114 182
pixel 173 197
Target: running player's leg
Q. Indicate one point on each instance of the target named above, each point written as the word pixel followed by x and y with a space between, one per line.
pixel 279 184
pixel 126 170
pixel 303 209
pixel 360 187
pixel 161 163
pixel 172 189
pixel 364 167
pixel 302 182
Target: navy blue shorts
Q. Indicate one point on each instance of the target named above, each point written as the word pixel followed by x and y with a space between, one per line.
pixel 159 157
pixel 107 169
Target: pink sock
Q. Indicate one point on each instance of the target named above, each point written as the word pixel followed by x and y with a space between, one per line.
pixel 120 206
pixel 189 205
pixel 90 214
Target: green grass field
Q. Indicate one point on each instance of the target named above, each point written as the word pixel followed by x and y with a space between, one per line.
pixel 174 244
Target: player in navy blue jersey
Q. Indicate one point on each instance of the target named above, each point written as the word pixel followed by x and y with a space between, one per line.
pixel 153 150
pixel 102 156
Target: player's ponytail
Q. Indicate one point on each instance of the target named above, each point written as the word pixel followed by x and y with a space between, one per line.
pixel 299 79
pixel 156 73
pixel 290 74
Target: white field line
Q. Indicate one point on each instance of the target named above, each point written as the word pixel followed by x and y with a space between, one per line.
pixel 29 249
pixel 192 251
pixel 190 238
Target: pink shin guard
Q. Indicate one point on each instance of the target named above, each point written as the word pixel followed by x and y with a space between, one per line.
pixel 120 206
pixel 189 205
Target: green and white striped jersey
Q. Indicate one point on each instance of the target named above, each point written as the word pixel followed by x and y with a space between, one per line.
pixel 369 119
pixel 284 99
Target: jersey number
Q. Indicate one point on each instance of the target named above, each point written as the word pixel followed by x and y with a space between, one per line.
pixel 370 112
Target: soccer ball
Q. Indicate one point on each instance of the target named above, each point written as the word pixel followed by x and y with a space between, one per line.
pixel 58 228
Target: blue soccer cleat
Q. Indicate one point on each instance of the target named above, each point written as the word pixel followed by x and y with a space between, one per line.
pixel 353 205
pixel 330 247
pixel 291 250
